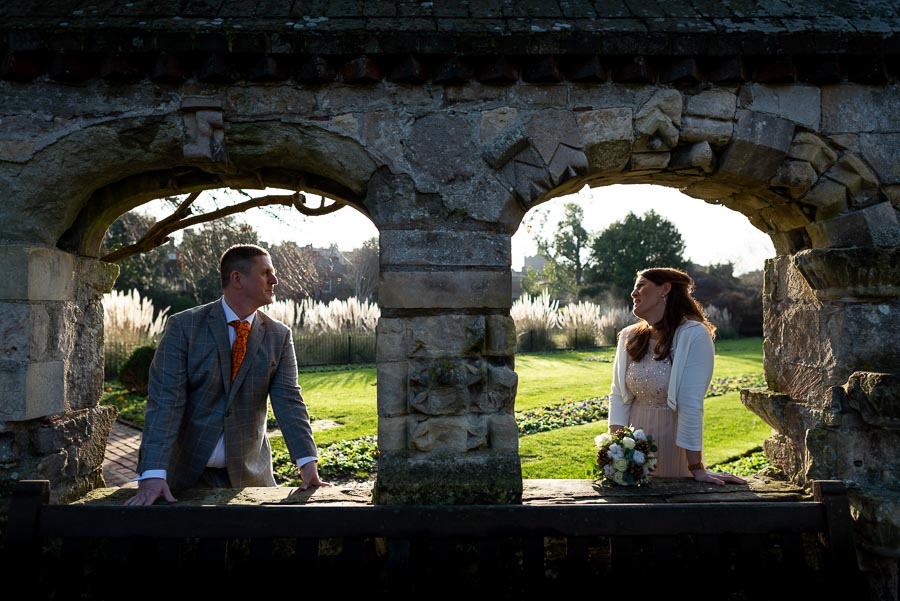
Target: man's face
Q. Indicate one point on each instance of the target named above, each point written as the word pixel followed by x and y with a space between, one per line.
pixel 258 286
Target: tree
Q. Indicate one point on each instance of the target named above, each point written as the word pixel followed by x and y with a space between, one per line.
pixel 630 245
pixel 302 271
pixel 364 269
pixel 143 271
pixel 566 253
pixel 201 249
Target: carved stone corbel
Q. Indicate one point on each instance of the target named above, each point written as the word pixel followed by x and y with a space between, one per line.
pixel 204 129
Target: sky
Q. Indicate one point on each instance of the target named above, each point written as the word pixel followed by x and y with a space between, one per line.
pixel 711 233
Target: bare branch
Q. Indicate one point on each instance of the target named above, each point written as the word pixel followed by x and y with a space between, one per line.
pixel 159 233
pixel 300 205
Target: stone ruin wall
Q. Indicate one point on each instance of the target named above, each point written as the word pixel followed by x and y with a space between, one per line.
pixel 447 171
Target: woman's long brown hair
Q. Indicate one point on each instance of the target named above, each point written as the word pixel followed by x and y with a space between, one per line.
pixel 679 305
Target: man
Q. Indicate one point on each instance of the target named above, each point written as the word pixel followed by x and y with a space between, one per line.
pixel 206 425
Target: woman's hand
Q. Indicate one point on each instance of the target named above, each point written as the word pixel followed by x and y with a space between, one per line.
pixel 718 478
pixel 616 429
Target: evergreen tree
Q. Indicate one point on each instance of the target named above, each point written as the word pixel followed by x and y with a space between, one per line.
pixel 630 245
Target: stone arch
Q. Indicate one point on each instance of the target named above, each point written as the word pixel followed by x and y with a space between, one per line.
pixel 800 187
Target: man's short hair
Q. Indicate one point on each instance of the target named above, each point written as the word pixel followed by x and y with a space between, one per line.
pixel 238 258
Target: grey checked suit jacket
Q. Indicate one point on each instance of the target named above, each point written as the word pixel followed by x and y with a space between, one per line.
pixel 191 399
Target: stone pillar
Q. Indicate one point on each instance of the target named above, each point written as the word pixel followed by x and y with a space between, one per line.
pixel 446 386
pixel 51 369
pixel 831 319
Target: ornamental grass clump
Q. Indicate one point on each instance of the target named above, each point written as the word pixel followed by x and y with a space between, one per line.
pixel 612 322
pixel 723 320
pixel 536 320
pixel 580 324
pixel 131 320
pixel 335 317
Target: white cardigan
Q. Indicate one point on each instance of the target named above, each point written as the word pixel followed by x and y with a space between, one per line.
pixel 692 366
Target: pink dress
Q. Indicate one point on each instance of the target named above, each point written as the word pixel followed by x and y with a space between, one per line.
pixel 648 380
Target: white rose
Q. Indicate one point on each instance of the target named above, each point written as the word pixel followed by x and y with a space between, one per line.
pixel 619 478
pixel 602 439
pixel 620 464
pixel 628 443
pixel 638 457
pixel 639 434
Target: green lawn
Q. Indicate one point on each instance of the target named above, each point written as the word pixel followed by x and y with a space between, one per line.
pixel 349 398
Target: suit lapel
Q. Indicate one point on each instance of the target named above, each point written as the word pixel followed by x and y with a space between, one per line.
pixel 219 330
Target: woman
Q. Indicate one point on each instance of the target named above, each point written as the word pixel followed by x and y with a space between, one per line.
pixel 661 372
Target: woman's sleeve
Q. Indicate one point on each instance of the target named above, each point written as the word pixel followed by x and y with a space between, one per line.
pixel 692 389
pixel 619 409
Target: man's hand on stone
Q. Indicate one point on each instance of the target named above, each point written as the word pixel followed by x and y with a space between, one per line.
pixel 149 490
pixel 309 473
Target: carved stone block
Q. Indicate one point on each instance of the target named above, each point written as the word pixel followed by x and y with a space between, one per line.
pixel 448 434
pixel 758 147
pixel 876 396
pixel 608 136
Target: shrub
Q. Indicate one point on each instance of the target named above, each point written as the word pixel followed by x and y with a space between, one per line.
pixel 134 374
pixel 536 318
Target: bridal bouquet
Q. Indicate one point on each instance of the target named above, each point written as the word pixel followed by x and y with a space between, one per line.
pixel 626 458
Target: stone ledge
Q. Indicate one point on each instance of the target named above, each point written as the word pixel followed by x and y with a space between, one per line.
pixel 534 492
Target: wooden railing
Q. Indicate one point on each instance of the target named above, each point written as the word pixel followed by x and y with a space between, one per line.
pixel 717 550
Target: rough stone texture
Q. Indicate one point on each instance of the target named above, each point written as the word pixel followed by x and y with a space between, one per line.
pixel 828 198
pixel 876 513
pixel 882 152
pixel 37 274
pixel 876 396
pixel 68 450
pixel 715 104
pixel 859 108
pixel 759 146
pixel 796 176
pixel 392 388
pixel 850 274
pixel 812 149
pixel 456 435
pixel 443 151
pixel 453 387
pixel 488 477
pixel 701 129
pixel 445 289
pixel 656 123
pixel 392 434
pixel 699 158
pixel 800 104
pixel 608 137
pixel 767 405
pixel 438 247
pixel 875 225
pixel 495 121
pixel 84 385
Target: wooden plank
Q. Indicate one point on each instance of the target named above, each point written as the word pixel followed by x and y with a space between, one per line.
pixel 432 521
pixel 25 504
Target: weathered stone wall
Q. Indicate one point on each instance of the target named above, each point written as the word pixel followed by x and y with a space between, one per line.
pixel 52 370
pixel 447 173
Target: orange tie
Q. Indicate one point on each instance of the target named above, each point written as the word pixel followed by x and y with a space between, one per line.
pixel 239 349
